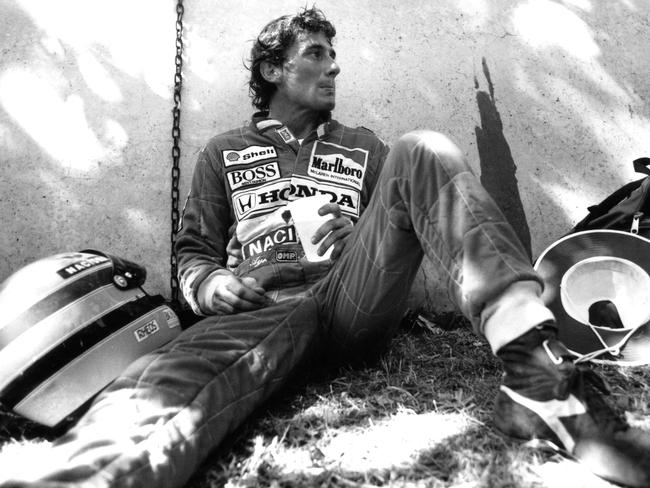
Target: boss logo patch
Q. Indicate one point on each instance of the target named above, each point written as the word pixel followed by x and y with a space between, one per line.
pixel 239 178
pixel 249 155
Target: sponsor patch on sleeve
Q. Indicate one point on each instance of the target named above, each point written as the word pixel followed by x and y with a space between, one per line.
pixel 338 164
pixel 248 155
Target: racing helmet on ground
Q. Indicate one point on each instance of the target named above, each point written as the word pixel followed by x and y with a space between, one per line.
pixel 69 325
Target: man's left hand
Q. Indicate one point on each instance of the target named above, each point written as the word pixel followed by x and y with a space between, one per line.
pixel 336 229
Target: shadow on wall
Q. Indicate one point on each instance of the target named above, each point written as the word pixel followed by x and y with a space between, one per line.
pixel 498 168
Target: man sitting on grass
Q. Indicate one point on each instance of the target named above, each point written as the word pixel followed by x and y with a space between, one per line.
pixel 267 308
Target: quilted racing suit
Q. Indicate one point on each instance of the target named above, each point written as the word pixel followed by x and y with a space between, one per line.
pixel 157 422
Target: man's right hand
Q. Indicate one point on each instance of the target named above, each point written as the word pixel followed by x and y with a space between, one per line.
pixel 224 293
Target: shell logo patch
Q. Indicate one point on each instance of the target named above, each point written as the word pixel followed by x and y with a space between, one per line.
pixel 248 155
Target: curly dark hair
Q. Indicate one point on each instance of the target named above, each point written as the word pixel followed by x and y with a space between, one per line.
pixel 272 43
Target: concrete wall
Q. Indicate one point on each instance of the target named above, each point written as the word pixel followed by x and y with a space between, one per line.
pixel 547 98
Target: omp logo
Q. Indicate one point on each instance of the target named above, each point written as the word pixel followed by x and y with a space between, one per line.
pixel 251 154
pixel 282 256
pixel 283 235
pixel 338 164
pixel 248 203
pixel 239 178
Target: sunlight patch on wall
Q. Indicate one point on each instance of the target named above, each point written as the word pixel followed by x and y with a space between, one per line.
pixel 67 201
pixel 57 124
pixel 204 62
pixel 117 137
pixel 135 37
pixel 615 128
pixel 140 221
pixel 367 54
pixel 585 95
pixel 543 23
pixel 630 4
pixel 97 78
pixel 572 199
pixel 7 140
pixel 53 46
pixel 581 4
pixel 428 93
pixel 601 82
pixel 478 10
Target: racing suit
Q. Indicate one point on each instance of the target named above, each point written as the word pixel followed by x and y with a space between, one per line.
pixel 158 421
pixel 242 183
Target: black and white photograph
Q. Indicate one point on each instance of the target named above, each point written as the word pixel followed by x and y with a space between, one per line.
pixel 325 244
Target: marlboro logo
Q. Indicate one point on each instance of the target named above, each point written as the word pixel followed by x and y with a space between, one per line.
pixel 338 164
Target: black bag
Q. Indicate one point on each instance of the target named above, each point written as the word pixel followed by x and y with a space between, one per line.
pixel 627 209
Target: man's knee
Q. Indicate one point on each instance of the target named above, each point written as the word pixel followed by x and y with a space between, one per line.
pixel 427 146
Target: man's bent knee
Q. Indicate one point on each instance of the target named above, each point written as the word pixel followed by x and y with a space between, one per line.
pixel 431 146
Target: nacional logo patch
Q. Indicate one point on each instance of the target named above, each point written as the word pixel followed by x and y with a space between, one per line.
pixel 248 203
pixel 283 235
pixel 338 164
pixel 239 178
pixel 249 155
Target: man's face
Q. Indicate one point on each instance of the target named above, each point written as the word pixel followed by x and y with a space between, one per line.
pixel 308 73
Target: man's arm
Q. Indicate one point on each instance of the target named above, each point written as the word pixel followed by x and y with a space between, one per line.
pixel 376 164
pixel 206 284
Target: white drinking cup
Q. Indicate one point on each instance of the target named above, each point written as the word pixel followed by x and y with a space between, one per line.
pixel 307 221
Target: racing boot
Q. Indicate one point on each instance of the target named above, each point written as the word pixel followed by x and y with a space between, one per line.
pixel 545 396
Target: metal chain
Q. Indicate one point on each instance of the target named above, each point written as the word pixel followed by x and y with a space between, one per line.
pixel 176 150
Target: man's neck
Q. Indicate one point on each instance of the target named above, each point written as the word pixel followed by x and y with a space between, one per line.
pixel 300 122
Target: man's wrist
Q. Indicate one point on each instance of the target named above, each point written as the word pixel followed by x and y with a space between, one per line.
pixel 206 290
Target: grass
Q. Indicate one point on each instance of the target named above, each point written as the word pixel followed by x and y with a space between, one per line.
pixel 419 417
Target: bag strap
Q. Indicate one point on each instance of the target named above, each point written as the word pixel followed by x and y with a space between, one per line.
pixel 614 199
pixel 596 211
pixel 641 165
